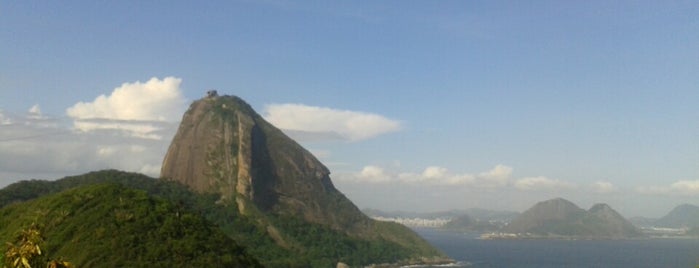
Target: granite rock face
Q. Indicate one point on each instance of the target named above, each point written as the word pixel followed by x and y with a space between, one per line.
pixel 223 146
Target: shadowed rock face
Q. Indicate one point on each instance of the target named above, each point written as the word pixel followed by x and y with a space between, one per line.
pixel 223 146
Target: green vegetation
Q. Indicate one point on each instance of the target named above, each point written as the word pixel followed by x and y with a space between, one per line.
pixel 25 251
pixel 322 247
pixel 110 225
pixel 127 219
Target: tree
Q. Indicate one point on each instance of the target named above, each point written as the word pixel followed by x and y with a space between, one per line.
pixel 25 251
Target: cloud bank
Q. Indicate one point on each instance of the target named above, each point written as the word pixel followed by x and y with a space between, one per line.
pixel 124 130
pixel 133 108
pixel 328 123
pixel 498 176
pixel 682 187
pixel 373 174
pixel 603 187
pixel 542 183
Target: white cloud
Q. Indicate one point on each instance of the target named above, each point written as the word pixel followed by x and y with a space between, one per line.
pixel 603 187
pixel 373 174
pixel 434 175
pixel 140 129
pixel 329 123
pixel 686 187
pixel 31 149
pixel 133 108
pixel 106 150
pixel 4 119
pixel 542 183
pixel 123 130
pixel 35 112
pixel 682 187
pixel 498 176
pixel 152 100
pixel 35 109
pixel 434 172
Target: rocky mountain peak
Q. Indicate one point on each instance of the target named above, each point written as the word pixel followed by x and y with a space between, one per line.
pixel 223 146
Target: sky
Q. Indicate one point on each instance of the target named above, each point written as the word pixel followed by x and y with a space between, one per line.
pixel 412 105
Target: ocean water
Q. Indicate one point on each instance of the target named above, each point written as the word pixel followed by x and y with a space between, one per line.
pixel 473 252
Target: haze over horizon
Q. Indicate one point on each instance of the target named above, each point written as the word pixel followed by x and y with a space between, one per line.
pixel 418 106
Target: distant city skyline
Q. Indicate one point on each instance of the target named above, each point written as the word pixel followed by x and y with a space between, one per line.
pixel 422 106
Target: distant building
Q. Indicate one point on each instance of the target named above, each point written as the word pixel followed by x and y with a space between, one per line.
pixel 211 93
pixel 415 222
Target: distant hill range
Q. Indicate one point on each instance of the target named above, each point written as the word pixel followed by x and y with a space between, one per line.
pixel 557 218
pixel 682 216
pixel 561 218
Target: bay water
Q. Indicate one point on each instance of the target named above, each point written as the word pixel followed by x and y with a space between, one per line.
pixel 541 253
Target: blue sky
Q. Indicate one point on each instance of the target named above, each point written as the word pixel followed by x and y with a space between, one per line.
pixel 413 105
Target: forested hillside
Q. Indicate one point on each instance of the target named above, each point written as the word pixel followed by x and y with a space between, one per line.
pixel 303 244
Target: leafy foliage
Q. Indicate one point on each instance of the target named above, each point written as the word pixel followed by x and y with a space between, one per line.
pixel 25 251
pixel 324 247
pixel 133 203
pixel 110 225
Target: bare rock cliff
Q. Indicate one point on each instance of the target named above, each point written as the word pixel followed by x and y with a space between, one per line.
pixel 223 146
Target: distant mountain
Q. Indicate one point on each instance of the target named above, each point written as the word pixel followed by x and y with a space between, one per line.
pixel 560 217
pixel 682 216
pixel 604 221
